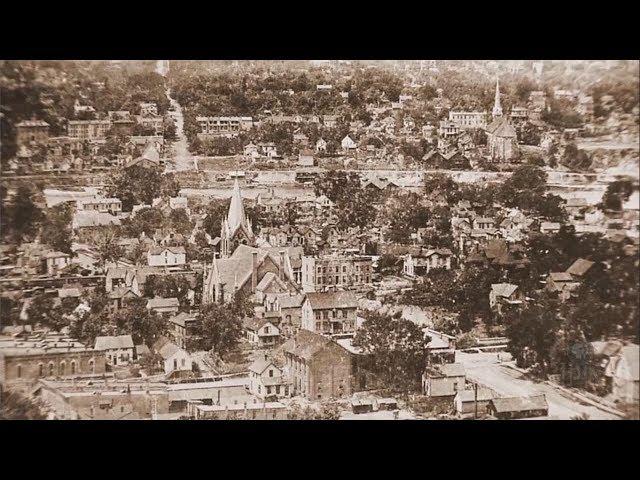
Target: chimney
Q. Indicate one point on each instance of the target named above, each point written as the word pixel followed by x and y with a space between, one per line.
pixel 281 269
pixel 254 271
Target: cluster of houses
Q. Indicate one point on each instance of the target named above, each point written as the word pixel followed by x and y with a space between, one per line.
pixel 81 148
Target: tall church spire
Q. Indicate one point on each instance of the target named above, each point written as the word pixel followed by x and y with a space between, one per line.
pixel 236 215
pixel 497 109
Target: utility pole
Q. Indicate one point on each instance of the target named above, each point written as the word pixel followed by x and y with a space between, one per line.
pixel 475 400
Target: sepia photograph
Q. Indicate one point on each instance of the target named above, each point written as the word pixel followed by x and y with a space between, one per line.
pixel 284 239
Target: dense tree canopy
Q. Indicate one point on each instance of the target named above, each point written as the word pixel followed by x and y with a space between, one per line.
pixel 395 349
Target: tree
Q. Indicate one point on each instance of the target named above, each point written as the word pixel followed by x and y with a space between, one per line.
pixel 133 319
pixel 532 332
pixel 353 204
pixel 180 222
pixel 146 221
pixel 215 212
pixel 436 184
pixel 220 328
pixel 21 217
pixel 168 286
pixel 395 349
pixel 43 311
pixel 56 229
pixel 388 264
pixel 404 221
pixel 326 411
pixel 136 320
pixel 140 185
pixel 526 190
pixel 106 243
pixel 576 159
pixel 15 405
pixel 617 193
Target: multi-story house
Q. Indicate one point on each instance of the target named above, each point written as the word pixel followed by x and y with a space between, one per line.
pixel 261 333
pixel 330 312
pixel 117 349
pixel 88 129
pixel 335 271
pixel 223 126
pixel 31 132
pixel 422 264
pixel 468 120
pixel 183 327
pixel 97 204
pixel 166 256
pixel 267 380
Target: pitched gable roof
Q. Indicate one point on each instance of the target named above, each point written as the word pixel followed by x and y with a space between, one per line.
pixel 113 342
pixel 503 289
pixel 306 344
pixel 452 370
pixel 325 300
pixel 561 276
pixel 520 404
pixel 261 364
pixel 501 128
pixel 580 267
pixel 158 302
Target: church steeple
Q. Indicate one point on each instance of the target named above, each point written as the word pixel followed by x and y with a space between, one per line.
pixel 236 227
pixel 236 216
pixel 497 108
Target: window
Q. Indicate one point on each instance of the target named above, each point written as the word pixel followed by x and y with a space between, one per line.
pixel 92 366
pixel 19 371
pixel 51 369
pixel 61 368
pixel 175 364
pixel 270 373
pixel 73 368
pixel 277 389
pixel 266 330
pixel 182 362
pixel 268 390
pixel 40 370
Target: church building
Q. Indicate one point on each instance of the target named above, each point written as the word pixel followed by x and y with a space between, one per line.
pixel 242 266
pixel 236 228
pixel 502 140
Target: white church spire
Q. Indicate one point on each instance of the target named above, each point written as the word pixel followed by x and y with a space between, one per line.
pixel 497 108
pixel 236 216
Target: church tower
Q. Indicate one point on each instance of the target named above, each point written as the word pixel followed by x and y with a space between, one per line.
pixel 497 108
pixel 236 228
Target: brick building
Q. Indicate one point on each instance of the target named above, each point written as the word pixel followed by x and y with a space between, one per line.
pixel 318 367
pixel 27 360
pixel 31 132
pixel 348 271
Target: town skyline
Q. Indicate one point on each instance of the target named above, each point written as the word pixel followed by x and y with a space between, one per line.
pixel 319 239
